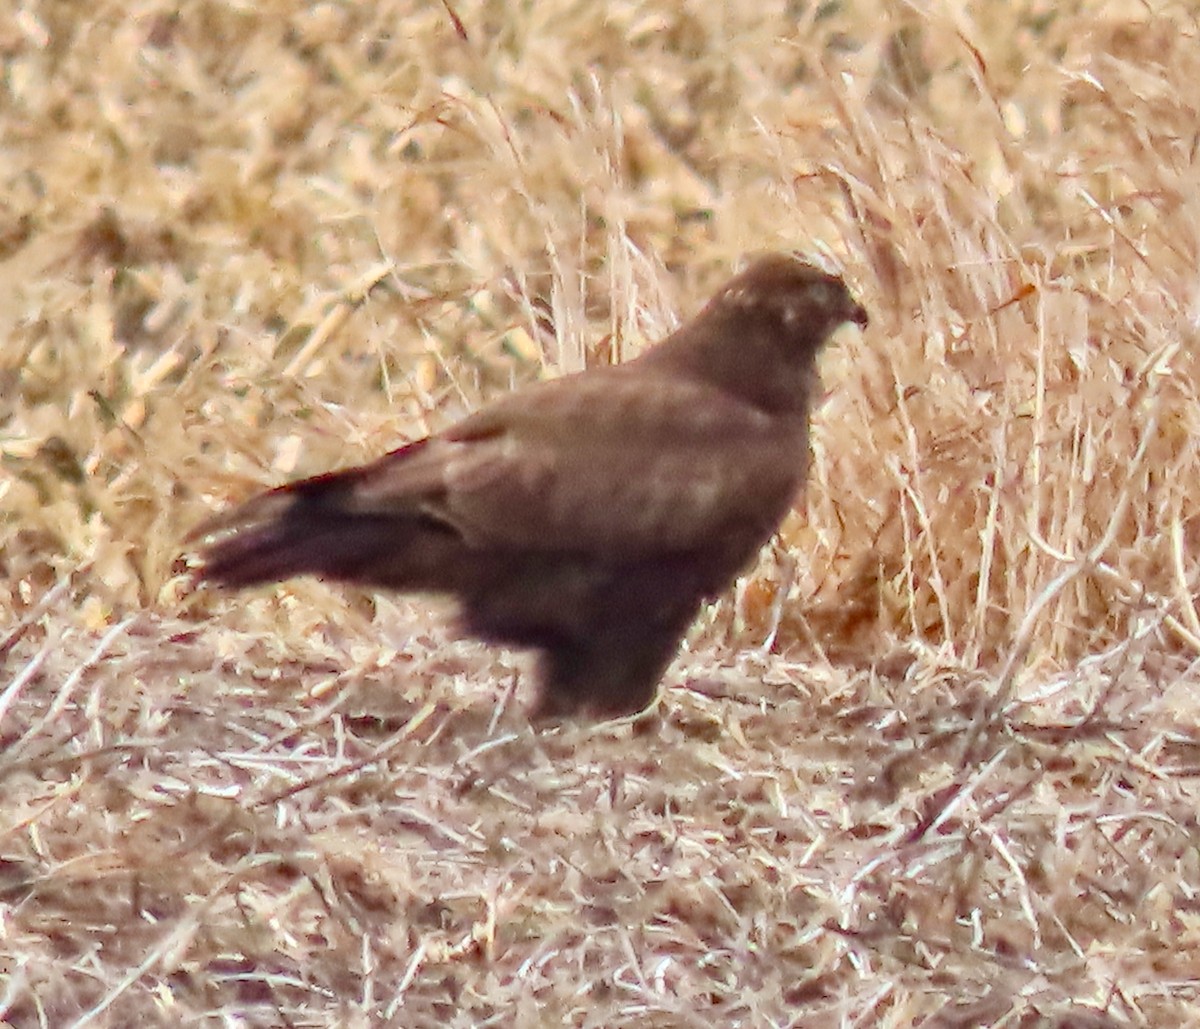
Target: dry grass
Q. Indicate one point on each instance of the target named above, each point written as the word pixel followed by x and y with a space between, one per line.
pixel 934 763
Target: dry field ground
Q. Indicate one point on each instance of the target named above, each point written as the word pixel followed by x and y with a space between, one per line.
pixel 933 762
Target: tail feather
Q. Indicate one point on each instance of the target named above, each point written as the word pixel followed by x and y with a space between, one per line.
pixel 312 528
pixel 347 548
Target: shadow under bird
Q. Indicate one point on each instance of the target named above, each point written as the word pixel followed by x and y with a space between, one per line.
pixel 588 517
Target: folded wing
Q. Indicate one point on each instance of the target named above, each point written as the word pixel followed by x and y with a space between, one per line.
pixel 657 467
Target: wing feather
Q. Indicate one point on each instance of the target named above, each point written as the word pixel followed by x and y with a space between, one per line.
pixel 653 466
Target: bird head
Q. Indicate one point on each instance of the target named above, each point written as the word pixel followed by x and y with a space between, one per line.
pixel 758 338
pixel 796 302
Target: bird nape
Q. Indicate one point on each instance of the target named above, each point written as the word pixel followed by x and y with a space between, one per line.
pixel 588 517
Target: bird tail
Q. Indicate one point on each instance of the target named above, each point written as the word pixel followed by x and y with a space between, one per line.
pixel 316 527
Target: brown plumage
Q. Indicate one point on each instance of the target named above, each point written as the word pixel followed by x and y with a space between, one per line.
pixel 588 517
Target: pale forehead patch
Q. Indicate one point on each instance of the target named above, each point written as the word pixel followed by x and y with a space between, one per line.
pixel 787 301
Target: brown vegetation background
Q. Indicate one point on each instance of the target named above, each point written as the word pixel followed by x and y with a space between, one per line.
pixel 932 763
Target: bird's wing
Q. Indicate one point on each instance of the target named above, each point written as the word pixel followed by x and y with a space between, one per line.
pixel 613 463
